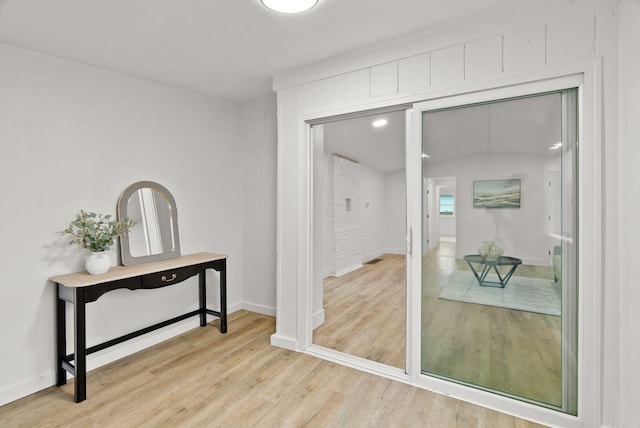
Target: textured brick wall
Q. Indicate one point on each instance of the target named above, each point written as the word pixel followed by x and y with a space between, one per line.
pixel 347 247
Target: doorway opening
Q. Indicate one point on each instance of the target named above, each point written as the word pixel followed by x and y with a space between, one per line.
pixel 359 227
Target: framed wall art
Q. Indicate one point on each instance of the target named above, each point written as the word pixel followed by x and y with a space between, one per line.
pixel 496 193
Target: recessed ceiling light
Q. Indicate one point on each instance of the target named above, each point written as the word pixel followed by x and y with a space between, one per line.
pixel 289 6
pixel 380 122
pixel 425 156
pixel 556 146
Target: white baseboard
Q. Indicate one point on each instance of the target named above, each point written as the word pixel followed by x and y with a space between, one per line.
pixel 381 252
pixel 347 270
pixel 318 319
pixel 372 255
pixel 102 358
pixel 12 393
pixel 400 251
pixel 284 342
pixel 259 309
pixel 124 349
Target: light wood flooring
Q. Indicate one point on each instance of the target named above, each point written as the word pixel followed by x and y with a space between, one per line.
pixel 512 351
pixel 206 379
pixel 516 352
pixel 365 312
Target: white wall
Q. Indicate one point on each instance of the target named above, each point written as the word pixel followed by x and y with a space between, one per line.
pixel 75 137
pixel 520 231
pixel 396 212
pixel 372 212
pixel 258 136
pixel 323 178
pixel 629 227
pixel 525 39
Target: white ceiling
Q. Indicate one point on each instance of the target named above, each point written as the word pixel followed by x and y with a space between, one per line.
pixel 224 48
pixel 526 126
pixel 378 148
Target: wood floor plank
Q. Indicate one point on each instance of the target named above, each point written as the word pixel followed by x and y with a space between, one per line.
pixel 513 351
pixel 204 378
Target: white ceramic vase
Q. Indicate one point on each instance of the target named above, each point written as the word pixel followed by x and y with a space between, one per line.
pixel 98 262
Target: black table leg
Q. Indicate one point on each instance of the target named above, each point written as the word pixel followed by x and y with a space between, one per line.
pixel 223 297
pixel 203 297
pixel 80 345
pixel 61 338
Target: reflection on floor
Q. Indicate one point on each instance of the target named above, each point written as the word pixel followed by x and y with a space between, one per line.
pixel 365 312
pixel 513 351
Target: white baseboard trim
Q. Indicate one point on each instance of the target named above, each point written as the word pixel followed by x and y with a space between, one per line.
pixel 400 251
pixel 318 319
pixel 15 392
pixel 132 346
pixel 284 342
pixel 381 252
pixel 372 255
pixel 259 309
pixel 103 357
pixel 347 270
pixel 124 349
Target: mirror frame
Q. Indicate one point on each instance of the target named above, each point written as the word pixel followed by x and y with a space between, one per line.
pixel 125 250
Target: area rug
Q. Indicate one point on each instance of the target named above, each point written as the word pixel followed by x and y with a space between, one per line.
pixel 521 293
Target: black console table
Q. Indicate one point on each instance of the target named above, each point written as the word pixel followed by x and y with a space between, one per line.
pixel 82 288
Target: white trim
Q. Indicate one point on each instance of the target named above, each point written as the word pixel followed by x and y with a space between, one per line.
pixel 305 240
pixel 259 309
pixel 372 255
pixel 539 77
pixel 590 238
pixel 347 270
pixel 413 165
pixel 318 319
pixel 500 403
pixel 276 338
pixel 560 77
pixel 111 354
pixel 283 342
pixel 359 363
pixel 15 392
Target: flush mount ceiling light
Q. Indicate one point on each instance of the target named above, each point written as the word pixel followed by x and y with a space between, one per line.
pixel 380 122
pixel 289 6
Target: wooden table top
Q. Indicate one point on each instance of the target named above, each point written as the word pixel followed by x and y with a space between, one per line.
pixel 85 279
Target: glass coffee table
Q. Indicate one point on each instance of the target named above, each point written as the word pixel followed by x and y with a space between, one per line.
pixel 488 265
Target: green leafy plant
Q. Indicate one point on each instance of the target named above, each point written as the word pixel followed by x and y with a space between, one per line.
pixel 96 232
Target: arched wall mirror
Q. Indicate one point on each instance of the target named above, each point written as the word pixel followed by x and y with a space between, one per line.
pixel 155 234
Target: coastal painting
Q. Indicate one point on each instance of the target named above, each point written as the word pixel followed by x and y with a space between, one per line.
pixel 496 193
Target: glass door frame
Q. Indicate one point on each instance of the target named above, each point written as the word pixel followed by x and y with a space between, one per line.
pixel 587 76
pixel 402 374
pixel 589 167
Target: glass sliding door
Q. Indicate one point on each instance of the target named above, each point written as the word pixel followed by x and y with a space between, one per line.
pixel 499 247
pixel 359 237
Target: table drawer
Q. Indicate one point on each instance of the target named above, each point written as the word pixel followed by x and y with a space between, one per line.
pixel 168 277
